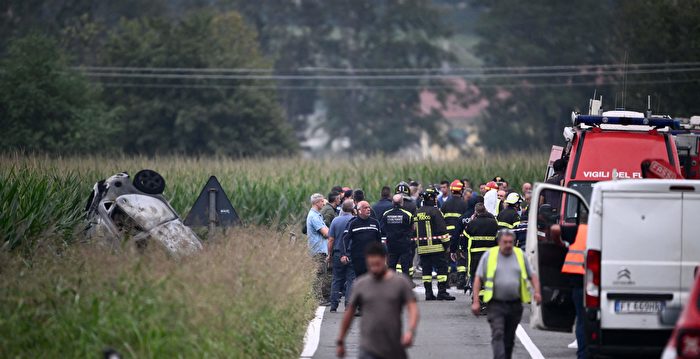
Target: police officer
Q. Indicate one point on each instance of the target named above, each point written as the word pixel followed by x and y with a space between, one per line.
pixel 360 231
pixel 397 227
pixel 432 240
pixel 479 236
pixel 453 209
pixel 409 204
pixel 509 218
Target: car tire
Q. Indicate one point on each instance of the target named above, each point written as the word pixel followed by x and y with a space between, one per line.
pixel 149 181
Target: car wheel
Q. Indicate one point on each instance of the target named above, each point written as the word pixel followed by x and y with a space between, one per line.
pixel 149 181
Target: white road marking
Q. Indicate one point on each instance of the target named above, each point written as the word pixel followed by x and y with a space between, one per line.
pixel 313 334
pixel 528 344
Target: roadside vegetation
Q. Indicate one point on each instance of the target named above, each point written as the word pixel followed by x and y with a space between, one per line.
pixel 228 301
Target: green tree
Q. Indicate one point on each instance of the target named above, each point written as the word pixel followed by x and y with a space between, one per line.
pixel 44 106
pixel 239 118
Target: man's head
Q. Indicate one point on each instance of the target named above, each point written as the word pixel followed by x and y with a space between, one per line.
pixel 527 187
pixel 466 183
pixel 467 194
pixel 317 200
pixel 403 188
pixel 501 195
pixel 415 188
pixel 348 206
pixel 527 197
pixel 347 194
pixel 506 241
pixel 337 189
pixel 358 196
pixel 479 208
pixel 334 199
pixel 386 192
pixel 429 196
pixel 363 209
pixel 444 188
pixel 559 166
pixel 483 189
pixel 397 200
pixel 375 255
pixel 513 200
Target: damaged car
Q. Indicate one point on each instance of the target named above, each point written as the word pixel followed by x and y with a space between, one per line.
pixel 121 210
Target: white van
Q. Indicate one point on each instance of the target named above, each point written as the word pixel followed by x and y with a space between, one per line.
pixel 643 247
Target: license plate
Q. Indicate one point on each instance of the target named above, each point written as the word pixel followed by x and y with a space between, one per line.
pixel 638 306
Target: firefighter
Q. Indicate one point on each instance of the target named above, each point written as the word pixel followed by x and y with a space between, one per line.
pixel 491 198
pixel 397 227
pixel 509 218
pixel 479 236
pixel 453 209
pixel 409 204
pixel 432 240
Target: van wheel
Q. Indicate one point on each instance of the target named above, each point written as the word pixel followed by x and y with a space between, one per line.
pixel 149 181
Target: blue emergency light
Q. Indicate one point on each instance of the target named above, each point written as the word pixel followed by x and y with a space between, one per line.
pixel 654 121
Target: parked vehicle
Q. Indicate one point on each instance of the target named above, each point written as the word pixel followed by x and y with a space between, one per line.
pixel 641 255
pixel 685 340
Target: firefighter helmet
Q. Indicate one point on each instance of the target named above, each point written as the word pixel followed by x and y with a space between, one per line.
pixel 456 186
pixel 402 188
pixel 430 194
pixel 513 198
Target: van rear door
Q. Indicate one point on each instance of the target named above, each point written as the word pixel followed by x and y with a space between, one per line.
pixel 640 257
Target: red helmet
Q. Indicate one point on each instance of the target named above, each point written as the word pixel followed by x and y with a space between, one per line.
pixel 456 186
pixel 492 185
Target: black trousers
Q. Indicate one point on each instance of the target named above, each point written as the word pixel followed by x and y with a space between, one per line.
pixel 359 265
pixel 403 258
pixel 504 318
pixel 434 261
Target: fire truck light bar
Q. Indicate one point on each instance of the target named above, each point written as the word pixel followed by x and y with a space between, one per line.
pixel 595 120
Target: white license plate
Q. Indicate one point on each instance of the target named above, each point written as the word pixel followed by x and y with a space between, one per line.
pixel 638 306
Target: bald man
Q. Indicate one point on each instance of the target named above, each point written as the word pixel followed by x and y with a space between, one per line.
pixel 397 228
pixel 361 231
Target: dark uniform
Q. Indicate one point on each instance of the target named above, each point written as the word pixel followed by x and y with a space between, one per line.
pixel 453 209
pixel 508 218
pixel 409 204
pixel 397 227
pixel 432 241
pixel 357 235
pixel 478 237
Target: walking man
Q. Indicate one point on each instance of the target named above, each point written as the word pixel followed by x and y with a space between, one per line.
pixel 397 227
pixel 343 273
pixel 317 232
pixel 382 294
pixel 504 274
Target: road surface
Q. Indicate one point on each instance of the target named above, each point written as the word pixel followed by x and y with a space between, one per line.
pixel 446 330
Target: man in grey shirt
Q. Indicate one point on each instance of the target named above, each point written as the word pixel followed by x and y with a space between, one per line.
pixel 382 293
pixel 505 290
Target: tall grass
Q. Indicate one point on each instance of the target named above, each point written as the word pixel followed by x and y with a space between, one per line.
pixel 229 301
pixel 43 195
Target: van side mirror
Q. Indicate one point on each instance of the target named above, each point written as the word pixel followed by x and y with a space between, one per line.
pixel 669 315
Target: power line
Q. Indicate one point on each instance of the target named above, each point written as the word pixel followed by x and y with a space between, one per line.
pixel 388 77
pixel 442 70
pixel 382 87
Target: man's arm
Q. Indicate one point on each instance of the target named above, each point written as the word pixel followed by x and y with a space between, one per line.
pixel 344 327
pixel 331 240
pixel 413 317
pixel 324 231
pixel 536 285
pixel 476 305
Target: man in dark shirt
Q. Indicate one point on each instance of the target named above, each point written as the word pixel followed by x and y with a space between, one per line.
pixel 553 198
pixel 382 294
pixel 397 227
pixel 361 231
pixel 384 204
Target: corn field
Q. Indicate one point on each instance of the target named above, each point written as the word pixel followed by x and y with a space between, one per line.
pixel 43 198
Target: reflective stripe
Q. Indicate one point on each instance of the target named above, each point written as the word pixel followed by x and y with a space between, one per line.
pixel 483 238
pixel 571 263
pixel 505 224
pixel 427 278
pixel 451 228
pixel 461 269
pixel 576 251
pixel 481 249
pixel 433 248
pixel 452 215
pixel 364 228
pixel 441 278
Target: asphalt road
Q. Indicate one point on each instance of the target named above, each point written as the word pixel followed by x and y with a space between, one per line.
pixel 448 330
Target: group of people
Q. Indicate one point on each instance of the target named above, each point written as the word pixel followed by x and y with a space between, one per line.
pixel 453 230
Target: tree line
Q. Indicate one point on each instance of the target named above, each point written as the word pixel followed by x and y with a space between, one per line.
pixel 80 76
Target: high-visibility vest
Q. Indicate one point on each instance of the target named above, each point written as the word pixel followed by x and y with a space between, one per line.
pixel 575 260
pixel 491 264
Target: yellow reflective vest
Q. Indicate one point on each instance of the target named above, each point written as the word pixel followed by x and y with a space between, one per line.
pixel 491 264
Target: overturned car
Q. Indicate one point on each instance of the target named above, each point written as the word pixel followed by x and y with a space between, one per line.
pixel 120 210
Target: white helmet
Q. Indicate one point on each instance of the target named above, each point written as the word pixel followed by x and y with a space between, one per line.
pixel 513 198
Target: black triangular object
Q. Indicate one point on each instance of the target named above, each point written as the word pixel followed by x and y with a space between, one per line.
pixel 226 215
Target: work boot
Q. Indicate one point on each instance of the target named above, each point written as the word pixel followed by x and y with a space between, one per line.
pixel 442 292
pixel 461 281
pixel 429 291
